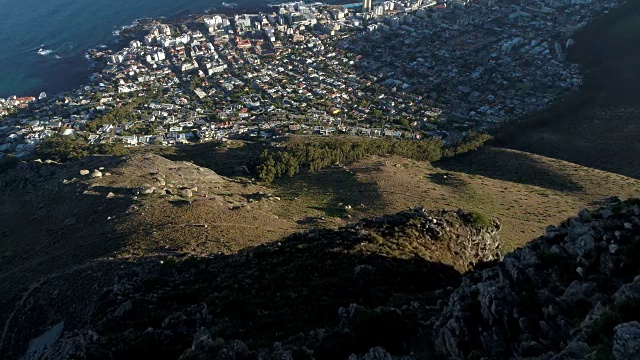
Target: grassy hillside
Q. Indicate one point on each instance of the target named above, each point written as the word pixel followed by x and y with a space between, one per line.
pixel 524 192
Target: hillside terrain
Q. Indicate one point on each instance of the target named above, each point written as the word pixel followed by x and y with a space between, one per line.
pixel 526 192
pixel 387 250
pixel 597 128
pixel 104 215
pixel 572 292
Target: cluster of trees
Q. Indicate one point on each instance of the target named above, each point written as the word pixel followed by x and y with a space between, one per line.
pixel 66 148
pixel 321 153
pixel 118 115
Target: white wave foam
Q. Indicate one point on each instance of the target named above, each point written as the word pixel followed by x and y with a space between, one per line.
pixel 44 52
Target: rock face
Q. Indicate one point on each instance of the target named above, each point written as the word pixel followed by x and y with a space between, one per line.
pixel 626 341
pixel 549 296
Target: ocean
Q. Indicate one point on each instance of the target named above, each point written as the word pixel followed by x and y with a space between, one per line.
pixel 43 43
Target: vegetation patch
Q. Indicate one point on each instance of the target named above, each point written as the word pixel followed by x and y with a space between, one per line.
pixel 66 148
pixel 479 220
pixel 322 153
pixel 600 335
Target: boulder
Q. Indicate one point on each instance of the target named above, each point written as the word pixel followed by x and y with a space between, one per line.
pixel 376 353
pixel 38 347
pixel 628 293
pixel 147 189
pixel 186 193
pixel 96 174
pixel 626 341
pixel 574 351
pixel 84 172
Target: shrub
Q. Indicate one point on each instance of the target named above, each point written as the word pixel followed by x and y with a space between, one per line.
pixel 480 220
pixel 8 162
pixel 63 148
pixel 68 148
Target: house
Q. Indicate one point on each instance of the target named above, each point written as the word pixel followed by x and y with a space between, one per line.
pixel 130 140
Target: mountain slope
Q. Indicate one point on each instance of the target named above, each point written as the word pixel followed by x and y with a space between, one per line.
pixel 367 291
pixel 525 192
pixel 262 294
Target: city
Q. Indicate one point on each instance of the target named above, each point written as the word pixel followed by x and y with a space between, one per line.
pixel 376 180
pixel 401 69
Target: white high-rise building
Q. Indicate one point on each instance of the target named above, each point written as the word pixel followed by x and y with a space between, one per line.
pixel 366 5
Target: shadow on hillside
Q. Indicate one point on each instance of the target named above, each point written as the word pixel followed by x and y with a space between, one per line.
pixel 509 166
pixel 49 226
pixel 261 295
pixel 447 179
pixel 596 127
pixel 330 190
pixel 223 160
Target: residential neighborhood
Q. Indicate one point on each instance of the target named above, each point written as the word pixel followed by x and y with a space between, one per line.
pixel 402 69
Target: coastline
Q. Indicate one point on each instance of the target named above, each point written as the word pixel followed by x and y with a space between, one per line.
pixel 83 66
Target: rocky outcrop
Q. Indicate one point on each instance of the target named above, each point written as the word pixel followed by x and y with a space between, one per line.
pixel 550 297
pixel 626 341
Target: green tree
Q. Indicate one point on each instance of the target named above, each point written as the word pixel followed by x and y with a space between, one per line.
pixel 266 170
pixel 63 148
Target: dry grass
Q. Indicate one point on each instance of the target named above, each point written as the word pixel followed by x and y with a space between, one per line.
pixel 525 204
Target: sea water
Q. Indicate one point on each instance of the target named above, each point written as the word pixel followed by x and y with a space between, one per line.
pixel 43 43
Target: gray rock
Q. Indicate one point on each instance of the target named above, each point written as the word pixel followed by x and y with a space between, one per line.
pixel 585 215
pixel 376 353
pixel 363 275
pixel 552 231
pixel 147 189
pixel 96 174
pixel 126 306
pixel 84 172
pixel 186 193
pixel 531 348
pixel 202 343
pixel 576 350
pixel 73 345
pixel 606 213
pixel 613 248
pixel 628 293
pixel 578 291
pixel 39 346
pixel 626 341
pixel 579 245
